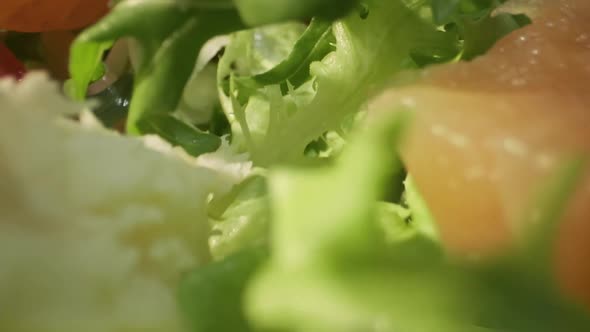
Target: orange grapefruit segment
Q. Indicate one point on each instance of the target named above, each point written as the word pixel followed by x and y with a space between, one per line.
pixel 487 134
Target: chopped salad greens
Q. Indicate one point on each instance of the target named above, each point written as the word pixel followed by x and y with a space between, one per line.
pixel 250 188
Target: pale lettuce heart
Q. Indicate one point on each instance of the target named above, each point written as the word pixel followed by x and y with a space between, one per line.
pixel 95 227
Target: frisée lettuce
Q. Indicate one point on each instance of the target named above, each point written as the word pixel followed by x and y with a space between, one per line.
pixel 251 189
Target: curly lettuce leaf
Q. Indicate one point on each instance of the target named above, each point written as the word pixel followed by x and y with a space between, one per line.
pixel 369 49
pixel 249 53
pixel 306 50
pixel 240 219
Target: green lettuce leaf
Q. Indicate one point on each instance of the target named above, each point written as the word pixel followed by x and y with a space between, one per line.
pixel 335 266
pixel 306 50
pixel 478 26
pixel 240 219
pixel 368 51
pixel 87 61
pixel 258 12
pixel 211 297
pixel 249 53
pixel 170 34
pixel 178 133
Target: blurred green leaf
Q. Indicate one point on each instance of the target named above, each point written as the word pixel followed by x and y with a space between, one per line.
pixel 443 10
pixel 477 29
pixel 422 219
pixel 178 133
pixel 211 297
pixel 480 34
pixel 170 34
pixel 258 12
pixel 85 63
pixel 340 263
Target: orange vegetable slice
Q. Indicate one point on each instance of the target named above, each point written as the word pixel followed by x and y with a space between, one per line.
pixel 488 133
pixel 48 15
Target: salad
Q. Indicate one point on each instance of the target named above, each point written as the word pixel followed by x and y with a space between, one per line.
pixel 295 165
